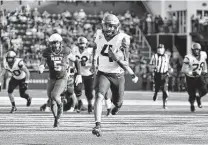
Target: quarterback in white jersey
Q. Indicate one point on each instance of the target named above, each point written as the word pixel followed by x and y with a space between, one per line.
pixel 109 42
pixel 195 68
pixel 20 77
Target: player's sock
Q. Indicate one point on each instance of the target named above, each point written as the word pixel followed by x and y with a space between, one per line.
pixel 54 108
pixel 13 104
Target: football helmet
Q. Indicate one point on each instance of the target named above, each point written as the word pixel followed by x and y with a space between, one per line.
pixel 82 43
pixel 110 25
pixel 10 57
pixel 196 49
pixel 161 49
pixel 55 42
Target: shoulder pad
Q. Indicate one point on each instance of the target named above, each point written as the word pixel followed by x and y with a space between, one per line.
pixel 204 54
pixel 90 50
pixel 186 59
pixel 20 63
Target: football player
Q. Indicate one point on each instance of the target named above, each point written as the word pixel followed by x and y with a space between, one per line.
pixel 56 56
pixel 84 54
pixel 20 77
pixel 108 42
pixel 195 69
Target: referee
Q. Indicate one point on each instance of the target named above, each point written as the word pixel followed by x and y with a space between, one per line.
pixel 160 65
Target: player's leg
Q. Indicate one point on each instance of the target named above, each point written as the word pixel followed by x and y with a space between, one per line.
pixel 191 89
pixel 70 96
pixel 88 85
pixel 78 92
pixel 13 83
pixel 108 102
pixel 59 87
pixel 165 90
pixel 22 91
pixel 157 80
pixel 202 88
pixel 102 85
pixel 53 105
pixel 117 88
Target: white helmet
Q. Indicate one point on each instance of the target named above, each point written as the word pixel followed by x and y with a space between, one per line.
pixel 110 25
pixel 196 48
pixel 10 57
pixel 55 37
pixel 55 42
pixel 82 42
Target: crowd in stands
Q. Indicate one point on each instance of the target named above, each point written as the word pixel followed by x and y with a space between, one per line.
pixel 26 30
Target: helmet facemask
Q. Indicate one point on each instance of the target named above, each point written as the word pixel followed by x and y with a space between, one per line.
pixel 55 46
pixel 10 58
pixel 110 25
pixel 196 49
pixel 109 29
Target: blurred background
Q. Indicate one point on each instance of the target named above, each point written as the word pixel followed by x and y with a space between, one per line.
pixel 26 25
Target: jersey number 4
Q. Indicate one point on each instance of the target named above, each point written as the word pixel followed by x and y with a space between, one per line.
pixel 104 51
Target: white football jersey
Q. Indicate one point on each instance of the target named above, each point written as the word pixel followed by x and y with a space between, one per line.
pixel 195 64
pixel 105 63
pixel 16 71
pixel 85 59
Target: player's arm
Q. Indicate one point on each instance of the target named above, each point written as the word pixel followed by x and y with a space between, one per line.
pixel 42 65
pixel 152 63
pixel 125 44
pixel 76 61
pixel 185 67
pixel 23 67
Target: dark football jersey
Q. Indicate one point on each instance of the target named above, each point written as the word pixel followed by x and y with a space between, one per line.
pixel 57 62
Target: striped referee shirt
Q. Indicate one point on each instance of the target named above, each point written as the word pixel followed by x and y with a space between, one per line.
pixel 160 63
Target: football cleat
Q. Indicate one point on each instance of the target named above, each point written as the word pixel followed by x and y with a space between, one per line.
pixel 56 123
pixel 154 98
pixel 115 110
pixel 198 100
pixel 89 108
pixel 97 131
pixel 192 108
pixel 79 106
pixel 164 104
pixel 108 112
pixel 29 100
pixel 43 107
pixel 14 109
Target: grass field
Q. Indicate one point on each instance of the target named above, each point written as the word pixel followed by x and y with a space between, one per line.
pixel 140 121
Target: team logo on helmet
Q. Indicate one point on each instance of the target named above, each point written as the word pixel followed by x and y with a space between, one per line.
pixel 55 41
pixel 110 25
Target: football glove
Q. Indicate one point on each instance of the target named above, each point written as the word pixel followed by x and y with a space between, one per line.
pixel 134 78
pixel 78 79
pixel 41 69
pixel 195 74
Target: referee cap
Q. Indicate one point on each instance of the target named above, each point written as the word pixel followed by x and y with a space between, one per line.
pixel 161 46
